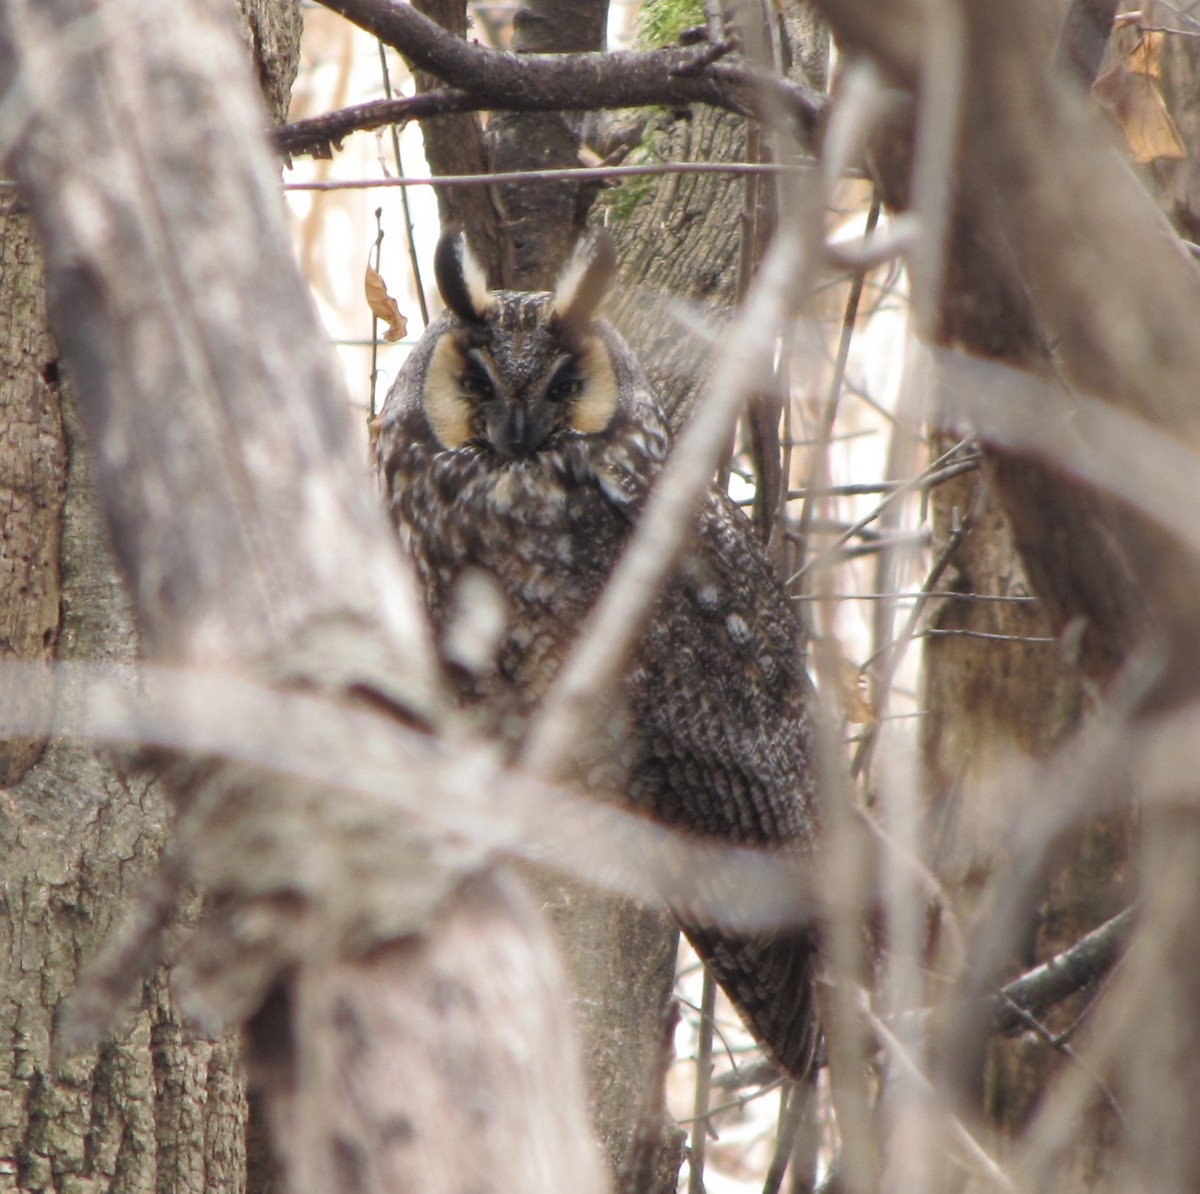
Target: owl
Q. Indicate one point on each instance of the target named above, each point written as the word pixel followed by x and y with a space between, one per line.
pixel 520 441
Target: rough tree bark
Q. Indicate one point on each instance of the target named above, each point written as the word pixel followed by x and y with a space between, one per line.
pixel 987 701
pixel 155 1107
pixel 542 222
pixel 522 232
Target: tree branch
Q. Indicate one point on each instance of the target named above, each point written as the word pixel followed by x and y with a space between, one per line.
pixel 1081 966
pixel 321 135
pixel 480 79
pixel 1084 37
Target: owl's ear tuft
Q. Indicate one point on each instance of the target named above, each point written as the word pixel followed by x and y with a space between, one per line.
pixel 460 278
pixel 586 278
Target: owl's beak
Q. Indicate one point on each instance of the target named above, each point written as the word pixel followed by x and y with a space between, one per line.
pixel 521 432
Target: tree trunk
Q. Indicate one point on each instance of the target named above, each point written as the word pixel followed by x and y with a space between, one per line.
pixel 232 482
pixel 155 1107
pixel 987 702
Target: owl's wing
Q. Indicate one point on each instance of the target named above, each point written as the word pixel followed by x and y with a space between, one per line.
pixel 719 701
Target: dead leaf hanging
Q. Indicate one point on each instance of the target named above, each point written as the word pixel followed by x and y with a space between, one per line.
pixel 384 307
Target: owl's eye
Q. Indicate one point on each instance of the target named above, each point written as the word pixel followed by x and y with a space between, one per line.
pixel 564 387
pixel 475 383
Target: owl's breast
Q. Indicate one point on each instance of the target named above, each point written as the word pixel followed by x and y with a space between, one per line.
pixel 547 530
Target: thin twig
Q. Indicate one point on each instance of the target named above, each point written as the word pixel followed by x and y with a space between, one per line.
pixel 793 1106
pixel 410 236
pixel 566 175
pixel 907 487
pixel 728 1047
pixel 891 651
pixel 377 253
pixel 939 632
pixel 700 1106
pixel 1059 1043
pixel 741 1102
pixel 987 1165
pixel 942 594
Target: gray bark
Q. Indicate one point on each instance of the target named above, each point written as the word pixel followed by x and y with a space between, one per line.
pixel 272 29
pixel 156 1106
pixel 543 221
pixel 457 145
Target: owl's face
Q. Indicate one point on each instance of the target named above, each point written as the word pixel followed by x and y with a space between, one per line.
pixel 518 411
pixel 512 374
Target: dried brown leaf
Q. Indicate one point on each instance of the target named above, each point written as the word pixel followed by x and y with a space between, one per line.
pixel 1142 57
pixel 384 307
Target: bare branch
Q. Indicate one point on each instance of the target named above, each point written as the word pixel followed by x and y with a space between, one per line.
pixel 1081 966
pixel 320 135
pixel 480 79
pixel 1084 36
pixel 485 809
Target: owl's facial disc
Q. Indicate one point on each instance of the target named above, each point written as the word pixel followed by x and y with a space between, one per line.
pixel 471 398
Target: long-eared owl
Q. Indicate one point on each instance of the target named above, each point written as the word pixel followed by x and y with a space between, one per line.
pixel 520 440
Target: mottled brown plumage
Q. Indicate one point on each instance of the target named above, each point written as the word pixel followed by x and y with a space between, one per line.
pixel 521 439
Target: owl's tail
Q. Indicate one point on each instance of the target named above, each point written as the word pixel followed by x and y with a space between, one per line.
pixel 770 978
